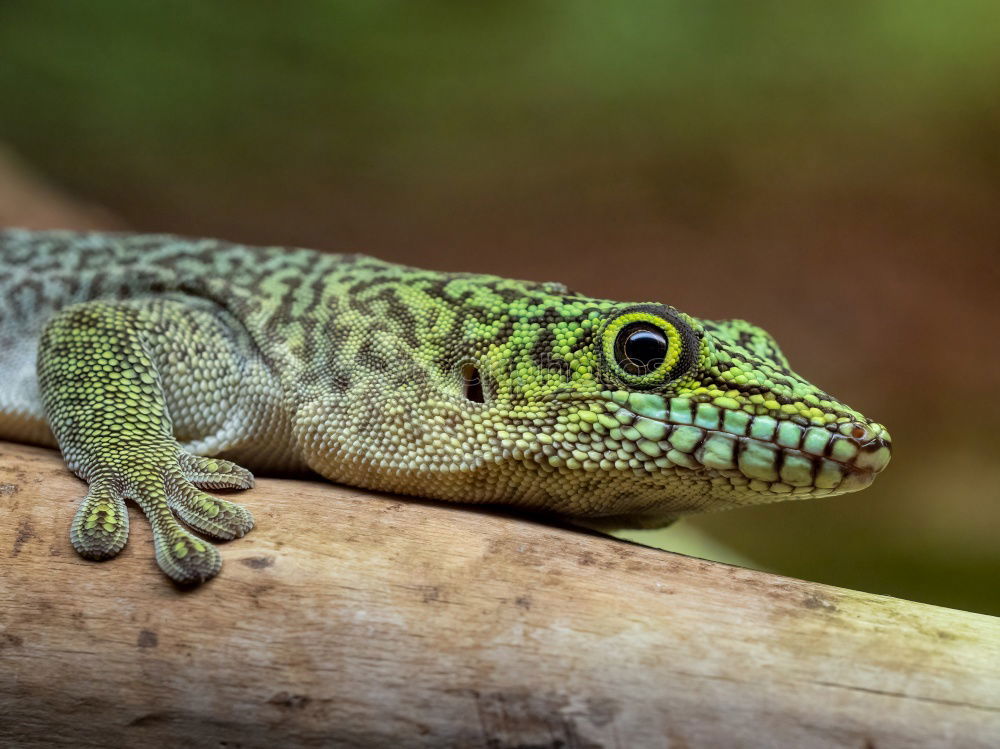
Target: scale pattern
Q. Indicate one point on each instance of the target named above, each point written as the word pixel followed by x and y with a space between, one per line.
pixel 160 365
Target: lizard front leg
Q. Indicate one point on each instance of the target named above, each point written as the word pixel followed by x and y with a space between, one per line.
pixel 105 403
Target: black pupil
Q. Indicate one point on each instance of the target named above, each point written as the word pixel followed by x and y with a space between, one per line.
pixel 641 349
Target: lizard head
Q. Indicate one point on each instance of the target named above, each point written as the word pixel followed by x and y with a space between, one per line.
pixel 476 388
pixel 644 412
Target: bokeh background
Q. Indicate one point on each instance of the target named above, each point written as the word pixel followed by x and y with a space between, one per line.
pixel 829 171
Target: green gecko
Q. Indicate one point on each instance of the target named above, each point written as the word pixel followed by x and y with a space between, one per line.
pixel 161 365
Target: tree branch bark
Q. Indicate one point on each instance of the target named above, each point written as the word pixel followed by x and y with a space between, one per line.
pixel 358 619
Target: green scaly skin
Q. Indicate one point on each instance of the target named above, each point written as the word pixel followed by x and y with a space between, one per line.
pixel 158 364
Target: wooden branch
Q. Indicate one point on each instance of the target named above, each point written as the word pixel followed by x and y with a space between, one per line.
pixel 358 619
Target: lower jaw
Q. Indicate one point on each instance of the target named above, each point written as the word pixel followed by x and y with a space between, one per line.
pixel 852 481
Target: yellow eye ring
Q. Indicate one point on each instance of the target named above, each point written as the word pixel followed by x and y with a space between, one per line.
pixel 642 347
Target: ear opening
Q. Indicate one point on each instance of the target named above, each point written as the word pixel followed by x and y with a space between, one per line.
pixel 473 384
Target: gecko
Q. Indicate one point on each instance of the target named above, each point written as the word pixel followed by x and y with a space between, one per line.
pixel 165 367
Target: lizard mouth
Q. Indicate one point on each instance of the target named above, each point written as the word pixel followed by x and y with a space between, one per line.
pixel 760 453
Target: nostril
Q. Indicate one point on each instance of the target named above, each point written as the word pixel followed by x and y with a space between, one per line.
pixel 860 433
pixel 875 448
pixel 866 435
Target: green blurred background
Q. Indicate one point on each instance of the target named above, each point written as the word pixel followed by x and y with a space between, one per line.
pixel 829 171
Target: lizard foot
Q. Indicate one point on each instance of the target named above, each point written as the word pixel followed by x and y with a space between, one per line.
pixel 100 528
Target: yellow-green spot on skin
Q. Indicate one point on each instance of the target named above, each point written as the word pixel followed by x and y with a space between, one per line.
pixel 843 450
pixel 757 461
pixel 829 475
pixel 789 434
pixel 724 402
pixel 607 421
pixel 649 405
pixel 707 416
pixel 681 459
pixel 180 550
pixel 109 527
pixel 651 430
pixel 816 440
pixel 719 452
pixel 875 461
pixel 212 466
pixel 198 546
pixel 650 448
pixel 686 438
pixel 763 427
pixel 680 411
pixel 736 422
pixel 620 397
pixel 797 470
pixel 90 524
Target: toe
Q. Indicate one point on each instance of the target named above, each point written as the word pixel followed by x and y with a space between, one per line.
pixel 100 527
pixel 187 559
pixel 213 516
pixel 214 473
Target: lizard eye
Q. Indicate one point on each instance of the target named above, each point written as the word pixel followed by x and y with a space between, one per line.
pixel 641 348
pixel 647 346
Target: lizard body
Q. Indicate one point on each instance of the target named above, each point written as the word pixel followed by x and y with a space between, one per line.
pixel 161 365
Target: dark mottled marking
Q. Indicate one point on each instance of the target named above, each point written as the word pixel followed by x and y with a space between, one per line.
pixel 257 563
pixel 289 701
pixel 542 356
pixel 148 639
pixel 813 601
pixel 152 719
pixel 24 534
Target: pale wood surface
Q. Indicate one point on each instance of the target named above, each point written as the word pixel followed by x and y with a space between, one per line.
pixel 356 619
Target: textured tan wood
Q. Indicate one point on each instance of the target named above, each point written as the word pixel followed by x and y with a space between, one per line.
pixel 358 619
